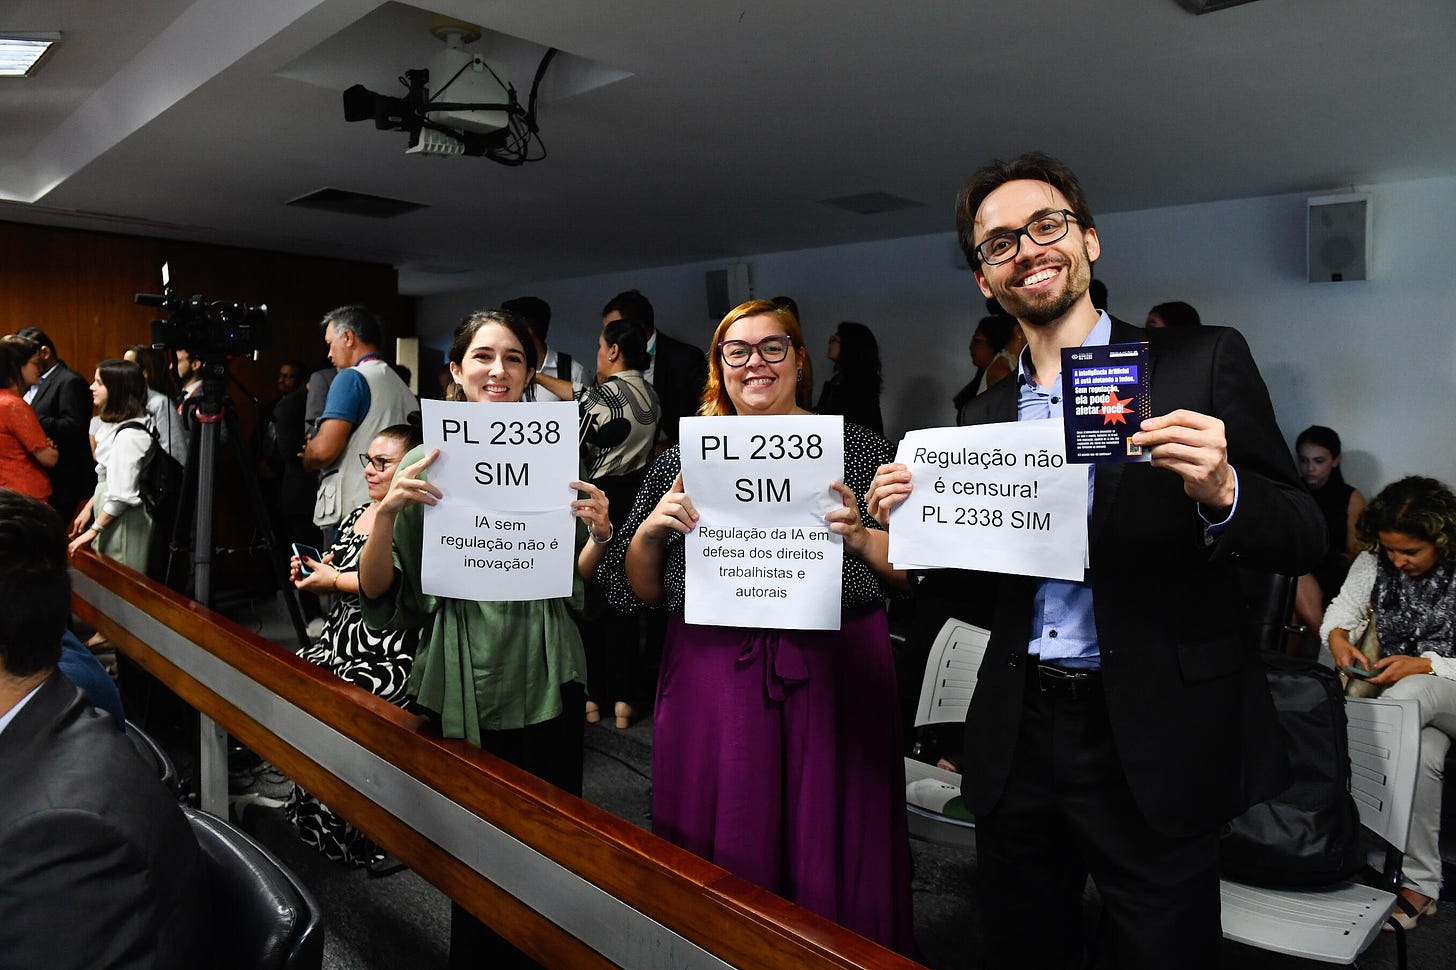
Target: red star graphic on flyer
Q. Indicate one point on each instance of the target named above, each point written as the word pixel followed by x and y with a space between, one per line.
pixel 1115 409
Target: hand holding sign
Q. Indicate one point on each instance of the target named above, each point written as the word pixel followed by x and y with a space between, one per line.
pixel 674 513
pixel 593 511
pixel 409 487
pixel 844 521
pixel 890 487
pixel 1193 446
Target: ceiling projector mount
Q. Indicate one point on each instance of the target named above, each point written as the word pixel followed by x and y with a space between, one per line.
pixel 471 110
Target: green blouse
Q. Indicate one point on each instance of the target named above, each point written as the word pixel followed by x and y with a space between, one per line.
pixel 481 665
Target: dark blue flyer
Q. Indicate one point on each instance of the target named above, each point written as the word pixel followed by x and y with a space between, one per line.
pixel 1107 400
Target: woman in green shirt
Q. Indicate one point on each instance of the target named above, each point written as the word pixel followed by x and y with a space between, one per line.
pixel 508 676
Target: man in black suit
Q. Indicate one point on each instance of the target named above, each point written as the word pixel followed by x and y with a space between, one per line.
pixel 678 370
pixel 1119 721
pixel 98 867
pixel 62 401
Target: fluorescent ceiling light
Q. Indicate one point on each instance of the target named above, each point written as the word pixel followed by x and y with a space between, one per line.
pixel 20 53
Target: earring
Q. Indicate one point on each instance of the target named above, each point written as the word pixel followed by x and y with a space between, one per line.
pixel 800 378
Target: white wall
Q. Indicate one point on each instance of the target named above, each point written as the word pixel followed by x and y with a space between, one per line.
pixel 1324 349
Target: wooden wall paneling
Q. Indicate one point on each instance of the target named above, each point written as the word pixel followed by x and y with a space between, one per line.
pixel 79 286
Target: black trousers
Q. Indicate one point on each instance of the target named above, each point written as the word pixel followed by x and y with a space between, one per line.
pixel 553 751
pixel 1066 813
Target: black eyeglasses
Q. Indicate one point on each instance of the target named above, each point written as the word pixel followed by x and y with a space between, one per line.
pixel 1045 229
pixel 379 462
pixel 771 350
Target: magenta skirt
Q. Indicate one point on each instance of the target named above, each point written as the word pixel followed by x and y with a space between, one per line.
pixel 776 754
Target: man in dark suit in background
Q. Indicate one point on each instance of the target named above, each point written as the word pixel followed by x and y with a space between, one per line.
pixel 98 867
pixel 1119 721
pixel 678 370
pixel 62 401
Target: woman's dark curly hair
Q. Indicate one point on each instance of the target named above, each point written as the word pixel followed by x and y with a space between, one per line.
pixel 1422 508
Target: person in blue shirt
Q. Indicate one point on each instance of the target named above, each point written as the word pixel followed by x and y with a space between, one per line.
pixel 83 669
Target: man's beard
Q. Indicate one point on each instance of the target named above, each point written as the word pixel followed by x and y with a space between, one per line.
pixel 1040 311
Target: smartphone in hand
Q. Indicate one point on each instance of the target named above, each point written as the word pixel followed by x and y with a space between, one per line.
pixel 1360 672
pixel 304 552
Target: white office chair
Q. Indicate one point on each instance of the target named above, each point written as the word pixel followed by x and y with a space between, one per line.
pixel 1337 924
pixel 945 694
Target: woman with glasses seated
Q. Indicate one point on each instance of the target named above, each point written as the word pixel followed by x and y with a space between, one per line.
pixel 379 661
pixel 776 753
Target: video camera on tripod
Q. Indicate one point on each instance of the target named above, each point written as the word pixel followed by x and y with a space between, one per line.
pixel 213 334
pixel 208 331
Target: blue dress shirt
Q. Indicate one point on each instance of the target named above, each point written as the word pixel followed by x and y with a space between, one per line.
pixel 1063 630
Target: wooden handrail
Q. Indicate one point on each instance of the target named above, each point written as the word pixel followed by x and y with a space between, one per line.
pixel 729 918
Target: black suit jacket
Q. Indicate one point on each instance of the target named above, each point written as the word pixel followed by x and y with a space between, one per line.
pixel 1185 689
pixel 678 376
pixel 63 404
pixel 98 868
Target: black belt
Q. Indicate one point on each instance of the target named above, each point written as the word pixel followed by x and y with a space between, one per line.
pixel 1066 682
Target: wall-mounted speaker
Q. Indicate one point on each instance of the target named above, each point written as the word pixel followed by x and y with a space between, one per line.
pixel 1339 238
pixel 727 288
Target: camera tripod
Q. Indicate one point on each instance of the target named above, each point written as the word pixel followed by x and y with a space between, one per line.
pixel 212 419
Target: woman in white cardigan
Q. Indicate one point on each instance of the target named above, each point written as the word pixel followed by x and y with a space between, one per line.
pixel 1408 575
pixel 115 519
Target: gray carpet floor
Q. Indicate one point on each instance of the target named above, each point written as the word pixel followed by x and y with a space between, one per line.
pixel 401 921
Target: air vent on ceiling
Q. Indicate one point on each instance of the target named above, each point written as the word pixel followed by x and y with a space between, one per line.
pixel 872 203
pixel 355 203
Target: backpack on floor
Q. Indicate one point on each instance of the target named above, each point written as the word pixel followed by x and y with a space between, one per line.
pixel 1308 834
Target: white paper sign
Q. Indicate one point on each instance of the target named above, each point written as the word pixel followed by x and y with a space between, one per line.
pixel 995 497
pixel 761 554
pixel 504 529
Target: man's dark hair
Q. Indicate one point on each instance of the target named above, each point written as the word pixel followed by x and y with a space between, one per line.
pixel 535 311
pixel 632 303
pixel 34 574
pixel 859 357
pixel 359 320
pixel 997 330
pixel 1177 314
pixel 39 336
pixel 1033 166
pixel 630 337
pixel 1097 290
pixel 788 301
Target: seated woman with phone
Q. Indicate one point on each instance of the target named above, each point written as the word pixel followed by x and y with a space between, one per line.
pixel 1405 584
pixel 377 660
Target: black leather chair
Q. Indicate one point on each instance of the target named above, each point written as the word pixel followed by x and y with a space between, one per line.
pixel 152 753
pixel 1270 599
pixel 263 918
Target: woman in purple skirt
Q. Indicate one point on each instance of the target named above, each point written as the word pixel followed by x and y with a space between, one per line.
pixel 776 753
